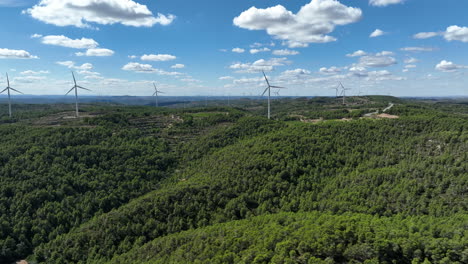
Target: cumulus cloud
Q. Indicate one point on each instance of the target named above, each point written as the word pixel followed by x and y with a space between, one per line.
pixel 311 24
pixel 382 59
pixel 285 52
pixel 178 66
pixel 80 13
pixel 147 68
pixel 15 54
pixel 224 78
pixel 358 53
pixel 255 51
pixel 384 2
pixel 158 57
pixel 72 65
pixel 448 66
pixel 456 33
pixel 296 72
pixel 238 50
pixel 259 65
pixel 418 49
pixel 332 70
pixel 377 33
pixel 452 33
pixel 98 52
pixel 83 43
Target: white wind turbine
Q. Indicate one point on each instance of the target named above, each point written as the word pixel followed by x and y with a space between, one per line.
pixel 8 88
pixel 75 87
pixel 343 92
pixel 269 93
pixel 156 94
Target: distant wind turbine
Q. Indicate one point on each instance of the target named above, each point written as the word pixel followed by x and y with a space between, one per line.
pixel 343 92
pixel 8 88
pixel 75 87
pixel 156 94
pixel 337 89
pixel 277 93
pixel 269 93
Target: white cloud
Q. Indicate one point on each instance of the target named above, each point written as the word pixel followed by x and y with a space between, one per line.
pixel 456 33
pixel 296 72
pixel 259 65
pixel 332 70
pixel 426 35
pixel 411 60
pixel 36 36
pixel 377 33
pixel 358 53
pixel 238 50
pixel 132 56
pixel 158 57
pixel 382 59
pixel 310 25
pixel 384 2
pixel 410 66
pixel 448 66
pixel 15 54
pixel 224 78
pixel 147 68
pixel 83 43
pixel 418 49
pixel 98 52
pixel 80 13
pixel 255 51
pixel 71 65
pixel 29 72
pixel 178 66
pixel 285 52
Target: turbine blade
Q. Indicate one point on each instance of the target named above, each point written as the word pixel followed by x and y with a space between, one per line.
pixel 8 80
pixel 83 88
pixel 265 91
pixel 278 87
pixel 4 90
pixel 161 92
pixel 266 79
pixel 74 80
pixel 155 93
pixel 70 90
pixel 16 90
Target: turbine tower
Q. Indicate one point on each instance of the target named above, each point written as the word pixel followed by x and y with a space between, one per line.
pixel 75 87
pixel 343 92
pixel 269 93
pixel 156 94
pixel 8 88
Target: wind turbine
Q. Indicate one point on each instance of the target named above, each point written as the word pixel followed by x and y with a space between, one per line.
pixel 269 93
pixel 75 87
pixel 8 88
pixel 156 94
pixel 343 92
pixel 336 89
pixel 277 93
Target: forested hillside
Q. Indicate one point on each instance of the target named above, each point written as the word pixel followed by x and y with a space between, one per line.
pixel 224 185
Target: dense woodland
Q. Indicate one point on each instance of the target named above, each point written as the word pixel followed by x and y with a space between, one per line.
pixel 226 185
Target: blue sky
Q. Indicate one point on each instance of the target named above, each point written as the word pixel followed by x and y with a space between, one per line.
pixel 418 47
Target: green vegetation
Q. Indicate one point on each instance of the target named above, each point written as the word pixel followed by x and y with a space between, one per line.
pixel 223 185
